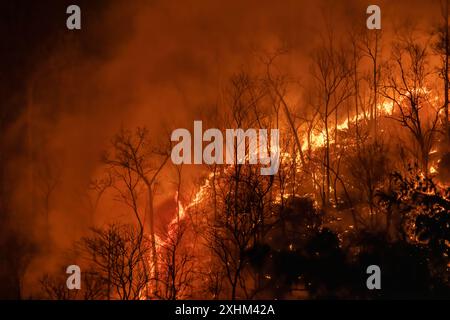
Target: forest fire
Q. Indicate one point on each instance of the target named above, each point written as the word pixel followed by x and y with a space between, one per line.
pixel 318 140
pixel 314 156
pixel 259 147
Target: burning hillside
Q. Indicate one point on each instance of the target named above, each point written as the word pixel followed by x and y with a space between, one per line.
pixel 226 151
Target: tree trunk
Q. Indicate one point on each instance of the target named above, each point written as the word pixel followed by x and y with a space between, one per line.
pixel 151 217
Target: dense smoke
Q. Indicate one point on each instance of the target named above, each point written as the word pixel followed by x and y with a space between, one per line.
pixel 158 64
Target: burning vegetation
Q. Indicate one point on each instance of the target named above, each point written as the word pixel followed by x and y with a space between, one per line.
pixel 363 179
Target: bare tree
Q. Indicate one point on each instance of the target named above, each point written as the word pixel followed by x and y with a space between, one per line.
pixel 442 48
pixel 331 71
pixel 176 258
pixel 92 287
pixel 408 87
pixel 237 205
pixel 137 162
pixel 119 256
pixel 371 49
pixel 56 288
pixel 177 264
pixel 96 189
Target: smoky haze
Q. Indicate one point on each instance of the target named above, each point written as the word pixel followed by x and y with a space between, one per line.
pixel 159 64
